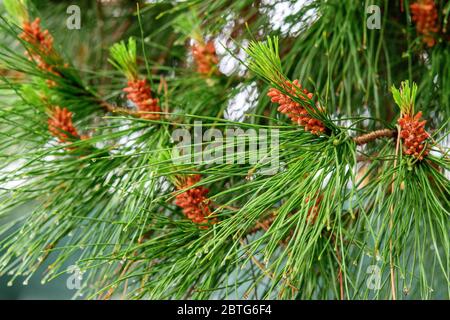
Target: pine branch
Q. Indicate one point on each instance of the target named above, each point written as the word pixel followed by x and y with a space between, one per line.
pixel 374 135
pixel 106 192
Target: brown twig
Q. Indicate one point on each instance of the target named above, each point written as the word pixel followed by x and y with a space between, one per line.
pixel 371 136
pixel 114 109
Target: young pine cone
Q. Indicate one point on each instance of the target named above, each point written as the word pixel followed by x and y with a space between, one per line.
pixel 294 110
pixel 194 201
pixel 41 40
pixel 42 45
pixel 205 57
pixel 425 16
pixel 413 135
pixel 139 92
pixel 60 125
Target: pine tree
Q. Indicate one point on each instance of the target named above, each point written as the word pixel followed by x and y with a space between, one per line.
pixel 358 206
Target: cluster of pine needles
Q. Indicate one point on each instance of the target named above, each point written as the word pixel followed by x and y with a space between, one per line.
pixel 359 209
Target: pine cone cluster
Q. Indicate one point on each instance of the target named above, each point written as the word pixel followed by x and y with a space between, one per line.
pixel 60 125
pixel 205 57
pixel 42 44
pixel 413 135
pixel 194 201
pixel 425 15
pixel 140 93
pixel 294 110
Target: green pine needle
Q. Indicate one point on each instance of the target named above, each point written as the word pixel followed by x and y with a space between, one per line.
pixel 337 211
pixel 123 57
pixel 265 60
pixel 405 97
pixel 17 9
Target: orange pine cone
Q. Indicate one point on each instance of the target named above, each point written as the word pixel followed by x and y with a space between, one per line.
pixel 205 57
pixel 140 93
pixel 60 125
pixel 194 201
pixel 294 110
pixel 413 135
pixel 42 43
pixel 41 40
pixel 425 15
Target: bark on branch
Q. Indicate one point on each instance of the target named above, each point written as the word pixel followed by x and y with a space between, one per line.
pixel 371 136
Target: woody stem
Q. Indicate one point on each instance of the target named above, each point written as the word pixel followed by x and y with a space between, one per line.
pixel 109 107
pixel 371 136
